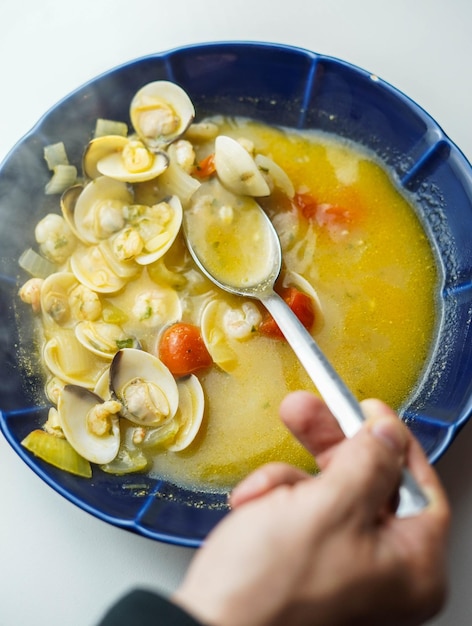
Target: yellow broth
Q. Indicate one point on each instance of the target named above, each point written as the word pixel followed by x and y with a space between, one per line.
pixel 367 255
pixel 236 251
pixel 350 239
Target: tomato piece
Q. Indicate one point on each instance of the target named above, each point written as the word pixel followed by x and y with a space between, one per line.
pixel 206 167
pixel 326 214
pixel 301 305
pixel 332 214
pixel 183 350
pixel 306 204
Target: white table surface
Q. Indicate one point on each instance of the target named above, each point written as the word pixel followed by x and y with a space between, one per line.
pixel 59 565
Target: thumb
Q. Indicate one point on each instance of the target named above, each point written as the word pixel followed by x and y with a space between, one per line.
pixel 366 469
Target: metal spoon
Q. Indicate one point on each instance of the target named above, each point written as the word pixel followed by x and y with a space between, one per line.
pixel 334 391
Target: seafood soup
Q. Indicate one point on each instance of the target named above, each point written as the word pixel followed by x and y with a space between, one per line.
pixel 148 365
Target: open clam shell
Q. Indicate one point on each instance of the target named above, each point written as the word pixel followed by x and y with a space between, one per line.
pixel 161 112
pixel 92 269
pixel 277 176
pixel 101 338
pixel 67 359
pixel 98 211
pixel 163 225
pixel 68 201
pixel 189 414
pixel 214 336
pixel 127 161
pixel 99 148
pixel 89 424
pixel 237 170
pixel 55 297
pixel 144 386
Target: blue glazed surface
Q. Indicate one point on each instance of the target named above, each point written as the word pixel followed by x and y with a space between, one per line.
pixel 279 85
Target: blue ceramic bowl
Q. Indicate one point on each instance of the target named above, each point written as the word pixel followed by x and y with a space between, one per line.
pixel 279 85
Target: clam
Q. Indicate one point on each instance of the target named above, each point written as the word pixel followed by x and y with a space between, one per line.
pixel 55 297
pixel 89 423
pixel 99 209
pixel 278 177
pixel 144 386
pixel 189 414
pixel 101 338
pixel 158 228
pixel 161 112
pixel 53 388
pixel 124 159
pixel 102 385
pixel 119 264
pixel 178 433
pixel 237 170
pixel 99 148
pixel 68 360
pixel 68 201
pixel 214 336
pixel 93 270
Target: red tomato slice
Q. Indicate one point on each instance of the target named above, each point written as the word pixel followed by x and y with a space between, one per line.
pixel 301 305
pixel 183 350
pixel 306 204
pixel 206 167
pixel 329 215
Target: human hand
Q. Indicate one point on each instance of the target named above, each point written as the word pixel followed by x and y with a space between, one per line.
pixel 328 550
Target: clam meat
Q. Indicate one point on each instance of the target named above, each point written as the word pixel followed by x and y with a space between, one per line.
pixel 160 113
pixel 124 159
pixel 145 387
pixel 55 297
pixel 158 228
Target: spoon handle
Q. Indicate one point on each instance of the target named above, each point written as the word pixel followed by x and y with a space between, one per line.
pixel 341 402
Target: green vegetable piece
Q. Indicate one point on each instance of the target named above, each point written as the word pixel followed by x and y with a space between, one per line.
pixel 35 264
pixel 105 127
pixel 113 315
pixel 64 176
pixel 126 462
pixel 55 154
pixel 57 452
pixel 125 343
pixel 162 436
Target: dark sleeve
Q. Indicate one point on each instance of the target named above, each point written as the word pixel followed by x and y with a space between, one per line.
pixel 144 608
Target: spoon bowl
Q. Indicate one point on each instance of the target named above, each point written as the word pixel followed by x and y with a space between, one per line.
pixel 251 280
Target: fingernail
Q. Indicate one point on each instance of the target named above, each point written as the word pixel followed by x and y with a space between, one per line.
pixel 385 424
pixel 387 431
